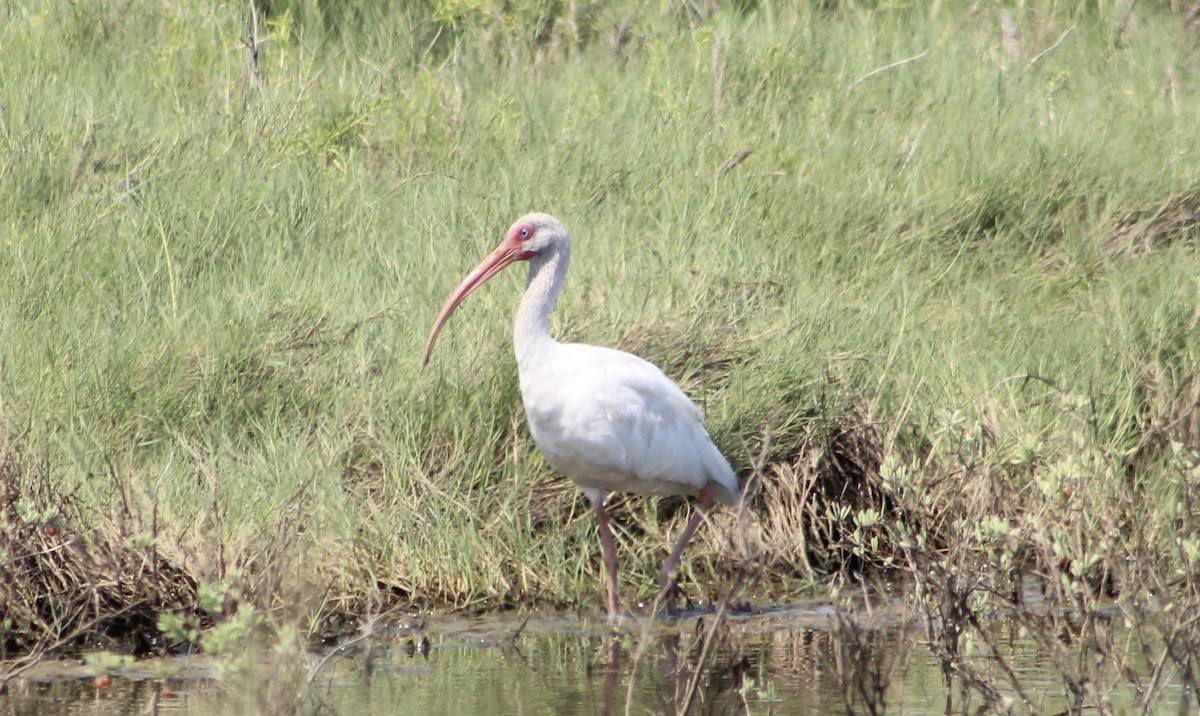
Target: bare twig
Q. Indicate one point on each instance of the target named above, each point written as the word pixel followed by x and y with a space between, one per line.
pixel 368 631
pixel 1119 34
pixel 433 43
pixel 85 151
pixel 707 648
pixel 718 76
pixel 885 68
pixel 736 159
pixel 1049 49
pixel 252 45
pixel 1171 90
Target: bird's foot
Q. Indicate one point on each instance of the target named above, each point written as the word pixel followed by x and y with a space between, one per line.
pixel 669 599
pixel 670 592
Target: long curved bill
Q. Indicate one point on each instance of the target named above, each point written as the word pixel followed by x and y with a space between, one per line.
pixel 505 254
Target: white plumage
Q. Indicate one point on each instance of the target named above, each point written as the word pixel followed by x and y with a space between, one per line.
pixel 613 422
pixel 608 420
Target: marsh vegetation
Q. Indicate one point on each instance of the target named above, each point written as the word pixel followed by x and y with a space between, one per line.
pixel 931 271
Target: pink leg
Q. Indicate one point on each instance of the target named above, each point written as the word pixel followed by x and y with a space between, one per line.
pixel 667 579
pixel 608 547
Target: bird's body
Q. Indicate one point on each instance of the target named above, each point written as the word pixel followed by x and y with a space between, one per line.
pixel 612 422
pixel 608 420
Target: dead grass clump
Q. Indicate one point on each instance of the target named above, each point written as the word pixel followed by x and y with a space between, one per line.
pixel 81 576
pixel 1169 411
pixel 71 578
pixel 816 509
pixel 556 503
pixel 362 467
pixel 1171 221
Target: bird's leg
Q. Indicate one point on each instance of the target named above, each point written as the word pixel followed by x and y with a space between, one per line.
pixel 608 547
pixel 667 579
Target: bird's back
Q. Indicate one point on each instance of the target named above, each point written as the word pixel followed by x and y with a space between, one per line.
pixel 611 421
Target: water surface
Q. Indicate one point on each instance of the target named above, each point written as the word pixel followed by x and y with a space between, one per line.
pixel 799 658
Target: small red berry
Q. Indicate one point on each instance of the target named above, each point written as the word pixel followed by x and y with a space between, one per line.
pixel 102 682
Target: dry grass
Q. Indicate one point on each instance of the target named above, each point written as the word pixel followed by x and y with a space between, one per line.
pixel 75 578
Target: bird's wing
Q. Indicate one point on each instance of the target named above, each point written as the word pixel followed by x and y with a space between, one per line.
pixel 612 421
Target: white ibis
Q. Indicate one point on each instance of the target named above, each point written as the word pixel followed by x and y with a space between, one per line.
pixel 608 420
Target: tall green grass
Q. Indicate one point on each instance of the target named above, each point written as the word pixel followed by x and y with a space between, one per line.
pixel 216 286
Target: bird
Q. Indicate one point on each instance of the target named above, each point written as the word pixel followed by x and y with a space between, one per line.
pixel 608 420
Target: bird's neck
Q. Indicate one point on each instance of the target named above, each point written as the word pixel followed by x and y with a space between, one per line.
pixel 531 332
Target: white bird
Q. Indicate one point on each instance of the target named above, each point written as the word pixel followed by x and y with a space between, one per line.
pixel 608 420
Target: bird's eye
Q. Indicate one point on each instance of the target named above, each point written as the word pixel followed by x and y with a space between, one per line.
pixel 524 232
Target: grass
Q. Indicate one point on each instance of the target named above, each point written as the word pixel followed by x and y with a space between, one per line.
pixel 924 273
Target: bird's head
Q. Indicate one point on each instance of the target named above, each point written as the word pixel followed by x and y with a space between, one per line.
pixel 532 234
pixel 529 236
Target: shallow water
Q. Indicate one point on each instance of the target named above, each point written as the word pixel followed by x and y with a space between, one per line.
pixel 779 659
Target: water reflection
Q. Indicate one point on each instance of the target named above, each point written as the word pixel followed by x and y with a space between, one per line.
pixel 801 659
